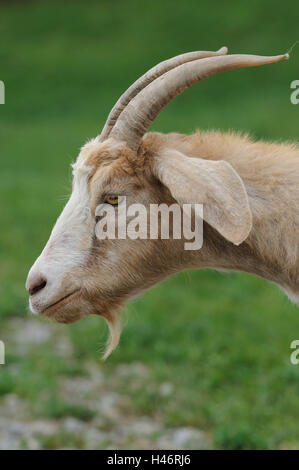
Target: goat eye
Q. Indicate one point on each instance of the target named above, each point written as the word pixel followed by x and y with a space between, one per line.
pixel 112 200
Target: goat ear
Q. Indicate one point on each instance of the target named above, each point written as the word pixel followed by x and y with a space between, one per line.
pixel 215 185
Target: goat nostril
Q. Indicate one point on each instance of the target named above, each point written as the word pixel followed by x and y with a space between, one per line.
pixel 37 287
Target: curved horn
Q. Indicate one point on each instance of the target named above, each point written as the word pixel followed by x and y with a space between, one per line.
pixel 147 78
pixel 144 108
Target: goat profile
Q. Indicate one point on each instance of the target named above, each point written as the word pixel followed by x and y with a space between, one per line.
pixel 249 192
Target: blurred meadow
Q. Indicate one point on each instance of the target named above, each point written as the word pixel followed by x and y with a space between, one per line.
pixel 203 361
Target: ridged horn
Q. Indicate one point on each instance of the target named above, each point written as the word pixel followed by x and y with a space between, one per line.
pixel 141 111
pixel 147 78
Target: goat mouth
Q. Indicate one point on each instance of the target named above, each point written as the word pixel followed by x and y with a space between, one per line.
pixel 61 302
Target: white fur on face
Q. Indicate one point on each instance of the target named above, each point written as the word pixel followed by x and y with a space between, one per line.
pixel 68 245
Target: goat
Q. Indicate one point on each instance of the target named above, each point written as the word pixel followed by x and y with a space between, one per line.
pixel 249 191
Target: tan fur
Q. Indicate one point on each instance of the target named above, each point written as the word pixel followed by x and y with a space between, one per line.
pixel 119 269
pixel 270 173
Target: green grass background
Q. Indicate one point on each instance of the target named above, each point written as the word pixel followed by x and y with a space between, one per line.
pixel 222 339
